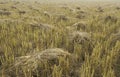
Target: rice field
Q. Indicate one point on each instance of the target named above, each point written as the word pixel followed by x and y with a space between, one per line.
pixel 59 39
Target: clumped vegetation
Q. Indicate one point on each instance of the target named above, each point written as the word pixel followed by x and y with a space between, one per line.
pixel 59 39
pixel 2 12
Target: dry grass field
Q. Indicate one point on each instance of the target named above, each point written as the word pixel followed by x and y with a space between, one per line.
pixel 59 38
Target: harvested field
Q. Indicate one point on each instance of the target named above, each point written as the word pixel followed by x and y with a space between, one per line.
pixel 66 38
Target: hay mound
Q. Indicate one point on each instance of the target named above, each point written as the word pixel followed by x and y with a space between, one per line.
pixel 110 19
pixel 4 9
pixel 80 14
pixel 46 55
pixel 68 8
pixel 2 12
pixel 14 7
pixel 36 60
pixel 72 10
pixel 78 8
pixel 64 7
pixel 21 12
pixel 3 2
pixel 79 26
pixel 41 26
pixel 47 14
pixel 100 9
pixel 60 17
pixel 79 37
pixel 49 54
pixel 118 8
pixel 79 44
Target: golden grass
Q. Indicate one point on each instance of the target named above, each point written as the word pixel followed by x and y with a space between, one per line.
pixel 33 28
